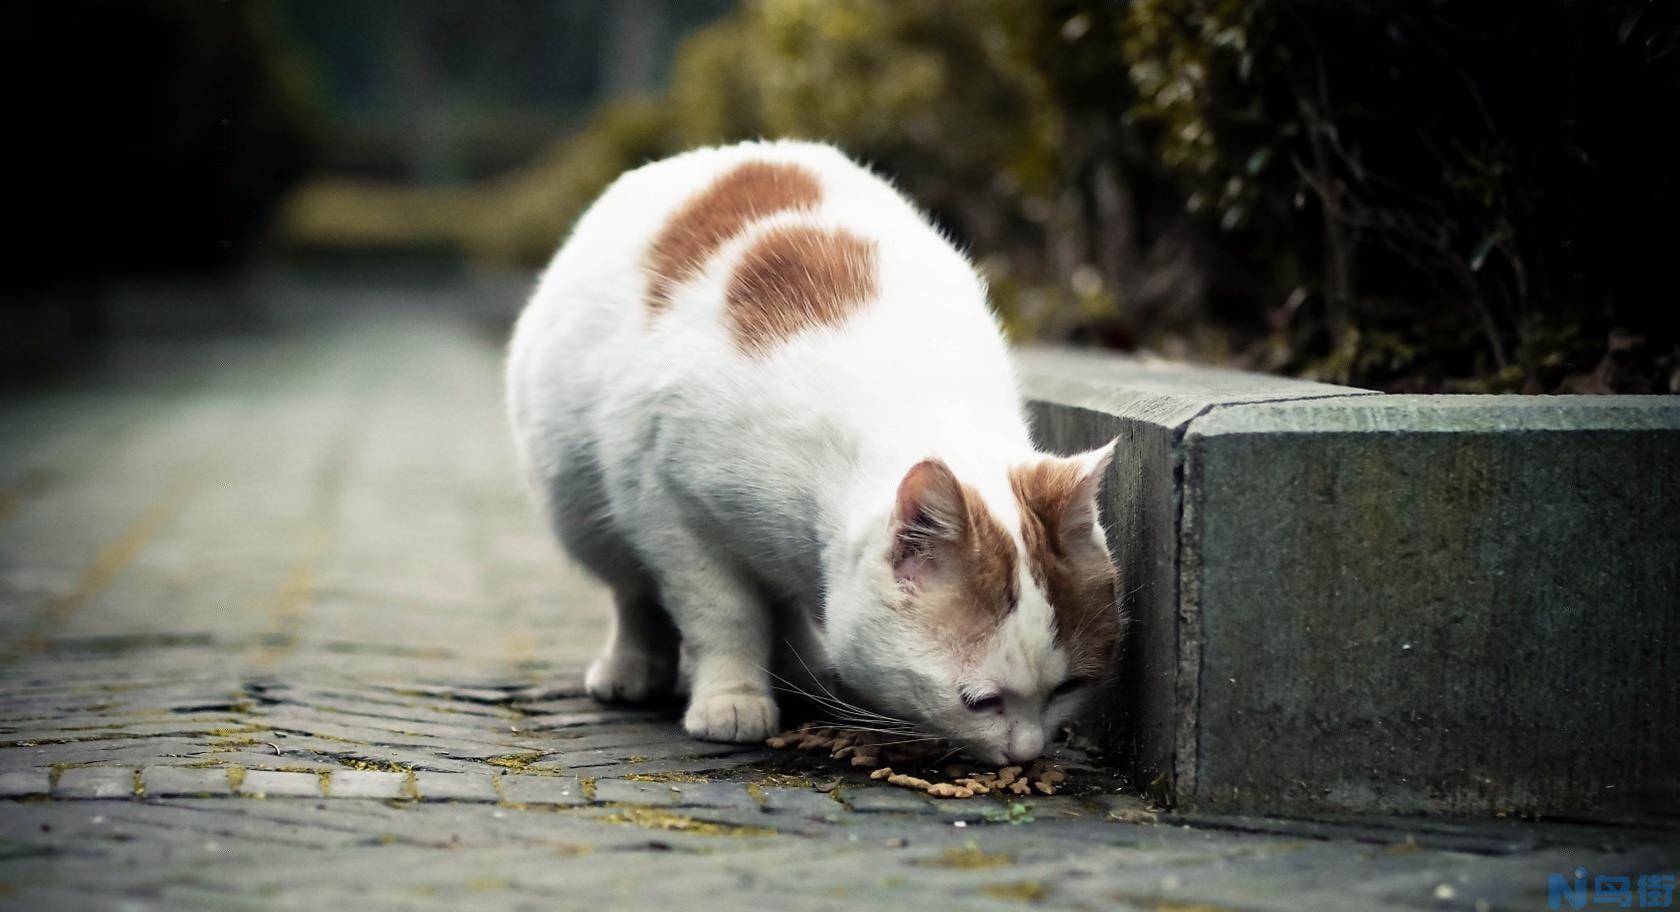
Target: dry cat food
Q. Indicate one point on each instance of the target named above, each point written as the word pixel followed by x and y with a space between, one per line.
pixel 866 749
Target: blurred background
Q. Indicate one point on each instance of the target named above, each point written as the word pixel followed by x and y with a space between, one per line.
pixel 1407 195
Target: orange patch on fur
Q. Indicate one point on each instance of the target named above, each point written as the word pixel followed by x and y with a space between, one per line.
pixel 749 192
pixel 794 278
pixel 988 561
pixel 1077 575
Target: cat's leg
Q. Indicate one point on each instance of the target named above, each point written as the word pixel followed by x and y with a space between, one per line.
pixel 639 661
pixel 726 633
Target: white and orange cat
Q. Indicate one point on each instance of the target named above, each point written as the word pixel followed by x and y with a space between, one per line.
pixel 765 401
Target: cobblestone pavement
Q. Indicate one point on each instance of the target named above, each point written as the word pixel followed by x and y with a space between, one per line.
pixel 278 630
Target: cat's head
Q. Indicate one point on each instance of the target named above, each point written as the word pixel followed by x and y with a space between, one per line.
pixel 989 624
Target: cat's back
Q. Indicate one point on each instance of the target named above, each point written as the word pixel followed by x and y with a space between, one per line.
pixel 740 251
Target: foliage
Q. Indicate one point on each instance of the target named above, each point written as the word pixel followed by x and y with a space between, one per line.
pixel 1409 194
pixel 1436 169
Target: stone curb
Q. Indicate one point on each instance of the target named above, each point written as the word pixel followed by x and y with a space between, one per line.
pixel 1344 601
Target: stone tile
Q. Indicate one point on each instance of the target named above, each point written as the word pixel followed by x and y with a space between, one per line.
pixel 715 795
pixel 369 784
pixel 807 802
pixel 455 786
pixel 876 798
pixel 95 782
pixel 282 784
pixel 561 790
pixel 183 781
pixel 24 782
pixel 592 717
pixel 618 791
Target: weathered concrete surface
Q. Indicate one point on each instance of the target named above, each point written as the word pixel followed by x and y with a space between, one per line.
pixel 1078 401
pixel 1388 603
pixel 279 631
pixel 1429 603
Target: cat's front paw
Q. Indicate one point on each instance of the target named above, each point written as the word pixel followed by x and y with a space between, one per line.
pixel 737 718
pixel 628 677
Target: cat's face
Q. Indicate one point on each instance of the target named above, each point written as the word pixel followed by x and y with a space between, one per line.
pixel 990 627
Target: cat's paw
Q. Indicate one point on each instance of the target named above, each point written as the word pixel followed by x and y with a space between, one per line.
pixel 737 718
pixel 629 677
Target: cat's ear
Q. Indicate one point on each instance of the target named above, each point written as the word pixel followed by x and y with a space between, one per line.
pixel 1061 492
pixel 927 514
pixel 1079 513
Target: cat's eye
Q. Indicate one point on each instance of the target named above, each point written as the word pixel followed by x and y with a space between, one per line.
pixel 982 704
pixel 1068 686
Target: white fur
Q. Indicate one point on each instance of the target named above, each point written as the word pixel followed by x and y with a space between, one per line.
pixel 751 496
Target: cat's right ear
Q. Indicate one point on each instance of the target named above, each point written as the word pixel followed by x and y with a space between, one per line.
pixel 927 514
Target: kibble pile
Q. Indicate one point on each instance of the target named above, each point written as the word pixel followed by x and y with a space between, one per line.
pixel 869 750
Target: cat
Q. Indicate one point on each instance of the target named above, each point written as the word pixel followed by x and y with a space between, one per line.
pixel 764 400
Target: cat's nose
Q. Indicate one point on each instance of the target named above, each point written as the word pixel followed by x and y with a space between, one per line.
pixel 1026 742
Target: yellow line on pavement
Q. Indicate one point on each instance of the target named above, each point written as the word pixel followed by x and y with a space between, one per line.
pixel 109 562
pixel 290 603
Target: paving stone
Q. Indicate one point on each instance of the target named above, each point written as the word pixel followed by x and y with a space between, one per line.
pixel 284 784
pixel 713 795
pixel 580 719
pixel 182 781
pixel 561 790
pixel 804 801
pixel 890 798
pixel 370 784
pixel 24 782
pixel 619 791
pixel 455 786
pixel 95 782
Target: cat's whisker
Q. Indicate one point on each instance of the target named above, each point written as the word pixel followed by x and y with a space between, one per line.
pixel 836 700
pixel 904 741
pixel 848 716
pixel 881 731
pixel 792 688
pixel 844 720
pixel 827 701
pixel 946 756
pixel 856 725
pixel 819 682
pixel 836 711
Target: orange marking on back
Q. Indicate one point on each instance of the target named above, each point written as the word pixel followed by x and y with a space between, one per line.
pixel 747 193
pixel 1077 575
pixel 794 278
